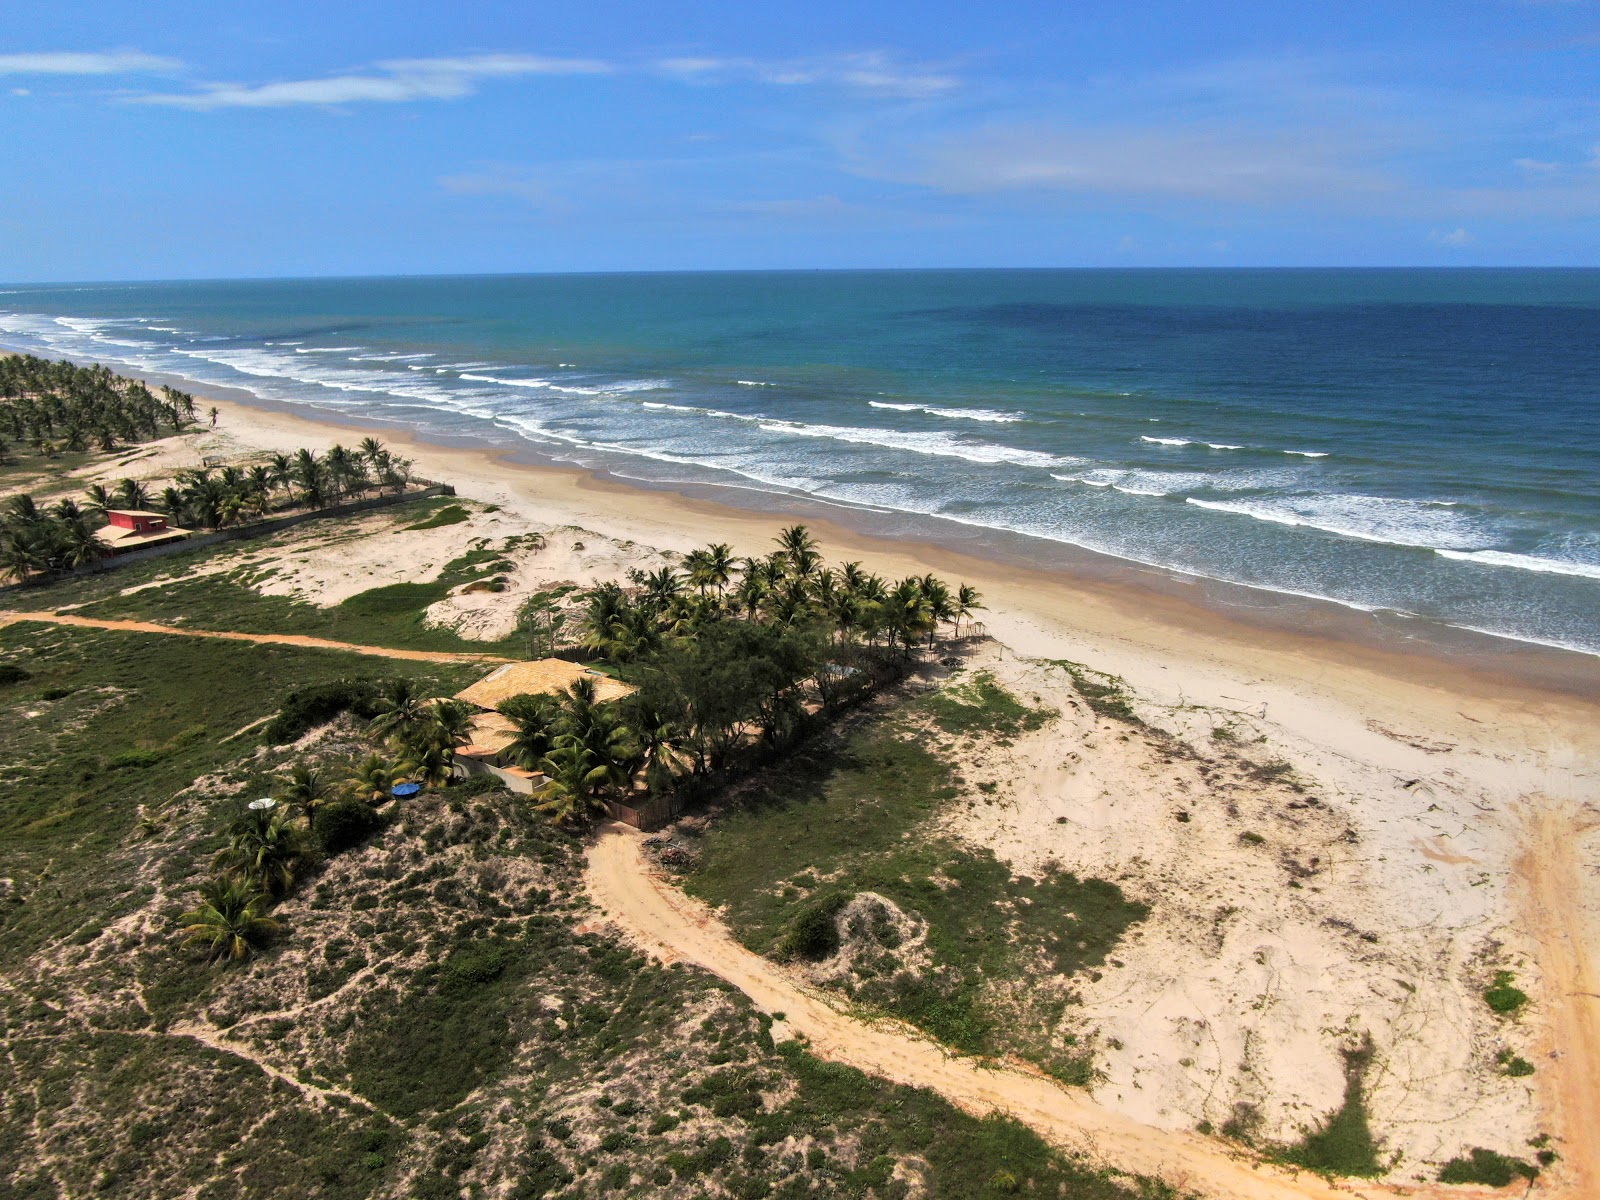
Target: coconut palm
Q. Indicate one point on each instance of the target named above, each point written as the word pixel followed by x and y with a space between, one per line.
pixel 306 789
pixel 535 718
pixel 800 548
pixel 131 493
pixel 450 721
pixel 229 921
pixel 599 730
pixel 430 763
pixel 264 848
pixel 968 601
pixel 567 796
pixel 371 780
pixel 941 606
pixel 97 500
pixel 77 545
pixel 401 711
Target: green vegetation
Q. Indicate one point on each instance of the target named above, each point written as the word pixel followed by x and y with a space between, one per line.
pixel 1344 1145
pixel 384 616
pixel 979 706
pixel 1488 1168
pixel 449 514
pixel 72 793
pixel 1514 1064
pixel 855 810
pixel 49 409
pixel 1105 694
pixel 1503 996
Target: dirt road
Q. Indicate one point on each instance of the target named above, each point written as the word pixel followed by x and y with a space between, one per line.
pixel 674 927
pixel 269 639
pixel 1551 885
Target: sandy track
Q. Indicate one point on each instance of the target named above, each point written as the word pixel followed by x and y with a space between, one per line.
pixel 271 639
pixel 1551 885
pixel 674 927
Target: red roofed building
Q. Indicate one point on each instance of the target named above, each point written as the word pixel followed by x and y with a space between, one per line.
pixel 134 529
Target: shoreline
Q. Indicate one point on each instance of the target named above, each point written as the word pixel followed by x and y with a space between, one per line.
pixel 1193 604
pixel 1173 590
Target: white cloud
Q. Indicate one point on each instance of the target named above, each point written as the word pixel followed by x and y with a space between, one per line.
pixel 498 181
pixel 1451 237
pixel 1535 166
pixel 1232 165
pixel 873 72
pixel 400 80
pixel 114 62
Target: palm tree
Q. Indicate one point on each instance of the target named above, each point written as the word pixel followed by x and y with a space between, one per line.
pixel 77 544
pixel 430 763
pixel 264 848
pixel 799 546
pixel 131 493
pixel 229 920
pixel 371 780
pixel 172 503
pixel 96 501
pixel 940 605
pixel 307 790
pixel 968 601
pixel 535 718
pixel 907 613
pixel 599 731
pixel 567 796
pixel 401 711
pixel 662 587
pixel 281 469
pixel 450 721
pixel 23 553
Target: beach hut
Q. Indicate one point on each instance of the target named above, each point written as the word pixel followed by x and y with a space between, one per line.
pixel 135 528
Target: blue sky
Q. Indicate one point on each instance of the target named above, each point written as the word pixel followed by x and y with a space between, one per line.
pixel 177 140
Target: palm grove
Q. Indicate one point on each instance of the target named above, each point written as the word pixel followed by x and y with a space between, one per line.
pixel 733 661
pixel 51 408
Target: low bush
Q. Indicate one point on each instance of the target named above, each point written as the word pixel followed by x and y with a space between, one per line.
pixel 343 824
pixel 11 673
pixel 813 934
pixel 1488 1168
pixel 1503 996
pixel 306 708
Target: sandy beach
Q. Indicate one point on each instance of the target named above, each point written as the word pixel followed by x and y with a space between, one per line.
pixel 1455 795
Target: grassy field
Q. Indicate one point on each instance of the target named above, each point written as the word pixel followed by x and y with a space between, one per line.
pixel 107 722
pixel 852 815
pixel 436 973
pixel 383 616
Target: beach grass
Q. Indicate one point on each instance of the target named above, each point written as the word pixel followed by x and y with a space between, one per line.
pixel 167 591
pixel 854 813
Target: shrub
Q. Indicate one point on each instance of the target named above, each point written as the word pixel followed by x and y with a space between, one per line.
pixel 1503 996
pixel 813 933
pixel 11 673
pixel 1488 1168
pixel 306 708
pixel 344 823
pixel 474 965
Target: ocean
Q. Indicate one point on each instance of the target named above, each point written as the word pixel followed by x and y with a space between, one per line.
pixel 1421 442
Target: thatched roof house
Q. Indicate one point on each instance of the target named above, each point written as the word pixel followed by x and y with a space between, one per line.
pixel 543 676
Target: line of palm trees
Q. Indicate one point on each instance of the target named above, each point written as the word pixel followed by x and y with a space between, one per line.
pixel 790 586
pixel 57 407
pixel 231 495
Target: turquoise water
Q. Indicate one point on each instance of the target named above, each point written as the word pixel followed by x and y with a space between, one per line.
pixel 1426 442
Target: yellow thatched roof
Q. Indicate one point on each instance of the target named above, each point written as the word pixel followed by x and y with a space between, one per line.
pixel 544 676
